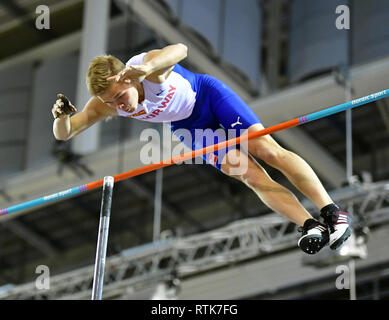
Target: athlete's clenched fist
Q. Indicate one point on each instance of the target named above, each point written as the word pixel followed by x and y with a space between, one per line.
pixel 62 107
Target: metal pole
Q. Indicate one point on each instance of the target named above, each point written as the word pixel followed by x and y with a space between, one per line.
pixel 102 239
pixel 348 97
pixel 349 136
pixel 349 141
pixel 157 204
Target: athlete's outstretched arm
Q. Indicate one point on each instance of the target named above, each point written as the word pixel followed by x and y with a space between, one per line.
pixel 66 127
pixel 157 65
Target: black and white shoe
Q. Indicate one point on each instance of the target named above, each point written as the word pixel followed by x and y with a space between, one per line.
pixel 314 237
pixel 339 225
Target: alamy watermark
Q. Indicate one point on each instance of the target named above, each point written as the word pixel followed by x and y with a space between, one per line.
pixel 43 19
pixel 343 280
pixel 42 282
pixel 165 147
pixel 343 19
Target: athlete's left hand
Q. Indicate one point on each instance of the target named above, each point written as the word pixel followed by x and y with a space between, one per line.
pixel 132 74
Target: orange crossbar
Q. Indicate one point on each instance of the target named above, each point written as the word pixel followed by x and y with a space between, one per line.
pixel 193 154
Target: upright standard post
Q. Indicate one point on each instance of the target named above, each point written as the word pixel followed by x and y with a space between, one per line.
pixel 157 204
pixel 102 239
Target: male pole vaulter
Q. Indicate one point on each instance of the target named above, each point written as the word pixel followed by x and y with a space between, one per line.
pixel 153 87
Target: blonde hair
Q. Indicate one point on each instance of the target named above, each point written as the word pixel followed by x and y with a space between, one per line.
pixel 101 68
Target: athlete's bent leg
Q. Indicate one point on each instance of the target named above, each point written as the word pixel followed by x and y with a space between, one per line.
pixel 301 175
pixel 315 234
pixel 274 195
pixel 297 170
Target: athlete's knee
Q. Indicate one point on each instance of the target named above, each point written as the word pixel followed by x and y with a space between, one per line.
pixel 250 175
pixel 235 163
pixel 271 153
pixel 251 179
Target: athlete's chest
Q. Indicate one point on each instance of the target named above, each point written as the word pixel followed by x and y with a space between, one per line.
pixel 156 101
pixel 171 100
pixel 167 95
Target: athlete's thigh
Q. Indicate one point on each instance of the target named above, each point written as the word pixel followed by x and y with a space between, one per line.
pixel 259 145
pixel 238 164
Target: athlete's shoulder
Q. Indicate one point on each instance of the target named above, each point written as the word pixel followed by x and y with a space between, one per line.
pixel 95 105
pixel 136 60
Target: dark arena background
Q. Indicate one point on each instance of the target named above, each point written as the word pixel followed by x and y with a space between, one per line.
pixel 189 232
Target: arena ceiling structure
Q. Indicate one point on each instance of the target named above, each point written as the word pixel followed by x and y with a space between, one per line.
pixel 213 227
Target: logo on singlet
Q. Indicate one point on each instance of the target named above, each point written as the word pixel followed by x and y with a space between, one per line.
pixel 236 123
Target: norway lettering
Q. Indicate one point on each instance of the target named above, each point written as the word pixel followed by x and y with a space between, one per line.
pixel 163 105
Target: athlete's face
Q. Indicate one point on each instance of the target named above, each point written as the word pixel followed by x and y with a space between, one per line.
pixel 121 95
